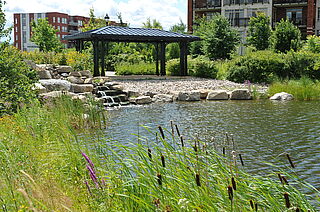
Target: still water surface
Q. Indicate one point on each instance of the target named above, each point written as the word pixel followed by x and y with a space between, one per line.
pixel 263 130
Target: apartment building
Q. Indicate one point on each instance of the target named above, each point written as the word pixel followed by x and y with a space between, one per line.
pixel 303 13
pixel 64 23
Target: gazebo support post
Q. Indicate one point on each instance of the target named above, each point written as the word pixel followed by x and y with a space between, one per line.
pixel 157 58
pixel 103 53
pixel 77 45
pixel 96 72
pixel 81 45
pixel 162 59
pixel 183 59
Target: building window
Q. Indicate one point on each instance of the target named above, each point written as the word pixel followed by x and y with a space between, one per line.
pixel 58 19
pixel 17 38
pixel 255 11
pixel 39 16
pixel 54 19
pixel 236 17
pixel 318 14
pixel 16 20
pixel 16 28
pixel 295 16
pixel 24 37
pixel 80 23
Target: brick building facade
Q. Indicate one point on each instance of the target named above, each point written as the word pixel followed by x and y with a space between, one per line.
pixel 303 13
pixel 64 23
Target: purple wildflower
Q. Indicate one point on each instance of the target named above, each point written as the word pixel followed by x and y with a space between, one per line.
pixel 93 175
pixel 88 187
pixel 88 160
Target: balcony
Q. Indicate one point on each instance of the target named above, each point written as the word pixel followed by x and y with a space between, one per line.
pixel 209 5
pixel 290 2
pixel 239 22
pixel 239 2
pixel 73 31
pixel 73 23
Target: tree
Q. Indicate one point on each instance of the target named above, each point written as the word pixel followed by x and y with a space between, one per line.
pixel 44 35
pixel 94 23
pixel 219 38
pixel 286 37
pixel 259 31
pixel 173 49
pixel 152 25
pixel 179 27
pixel 3 32
pixel 313 44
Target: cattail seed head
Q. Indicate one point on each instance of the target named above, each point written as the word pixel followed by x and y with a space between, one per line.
pixel 234 186
pixel 224 151
pixel 290 161
pixel 182 142
pixel 286 198
pixel 240 156
pixel 284 180
pixel 161 131
pixel 256 206
pixel 159 179
pixel 178 132
pixel 251 204
pixel 172 129
pixel 198 179
pixel 195 147
pixel 149 153
pixel 280 177
pixel 163 161
pixel 230 192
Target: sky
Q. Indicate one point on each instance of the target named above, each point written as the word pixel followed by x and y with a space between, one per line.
pixel 134 12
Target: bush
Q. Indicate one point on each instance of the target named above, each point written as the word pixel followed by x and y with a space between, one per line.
pixel 79 61
pixel 141 68
pixel 16 81
pixel 198 67
pixel 313 44
pixel 257 67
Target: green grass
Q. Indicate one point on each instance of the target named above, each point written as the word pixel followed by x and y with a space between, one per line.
pixel 43 168
pixel 303 89
pixel 141 68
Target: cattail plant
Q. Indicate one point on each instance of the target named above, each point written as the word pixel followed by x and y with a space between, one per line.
pixel 286 198
pixel 284 180
pixel 223 150
pixel 234 185
pixel 178 132
pixel 181 140
pixel 159 179
pixel 195 146
pixel 172 128
pixel 88 160
pixel 163 161
pixel 280 177
pixel 290 161
pixel 161 131
pixel 251 204
pixel 230 192
pixel 198 179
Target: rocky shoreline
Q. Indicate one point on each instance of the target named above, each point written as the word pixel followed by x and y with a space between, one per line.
pixel 115 91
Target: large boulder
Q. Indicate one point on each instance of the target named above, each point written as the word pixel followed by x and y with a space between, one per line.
pixel 204 93
pixel 56 94
pixel 86 74
pixel 283 96
pixel 143 100
pixel 75 74
pixel 81 88
pixel 162 98
pixel 39 88
pixel 218 95
pixel 64 69
pixel 240 94
pixel 44 74
pixel 42 67
pixel 189 96
pixel 56 85
pixel 32 65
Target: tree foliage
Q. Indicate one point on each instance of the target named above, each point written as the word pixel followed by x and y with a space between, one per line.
pixel 313 44
pixel 94 22
pixel 219 38
pixel 3 32
pixel 259 31
pixel 286 37
pixel 154 24
pixel 44 35
pixel 179 27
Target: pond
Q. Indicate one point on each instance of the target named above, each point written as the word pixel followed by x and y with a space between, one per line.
pixel 263 130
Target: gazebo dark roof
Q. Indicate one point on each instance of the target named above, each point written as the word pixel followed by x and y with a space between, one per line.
pixel 102 36
pixel 126 34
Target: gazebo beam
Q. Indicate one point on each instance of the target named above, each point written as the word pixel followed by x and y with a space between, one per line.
pixel 162 59
pixel 157 58
pixel 96 71
pixel 102 59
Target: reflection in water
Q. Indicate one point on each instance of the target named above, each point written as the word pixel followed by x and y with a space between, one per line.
pixel 262 130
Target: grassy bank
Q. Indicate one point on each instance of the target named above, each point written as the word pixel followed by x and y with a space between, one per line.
pixel 47 165
pixel 303 89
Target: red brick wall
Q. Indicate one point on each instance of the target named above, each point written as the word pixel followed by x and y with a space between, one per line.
pixel 190 15
pixel 59 25
pixel 311 16
pixel 18 32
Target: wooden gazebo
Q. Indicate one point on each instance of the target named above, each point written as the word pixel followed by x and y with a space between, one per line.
pixel 160 38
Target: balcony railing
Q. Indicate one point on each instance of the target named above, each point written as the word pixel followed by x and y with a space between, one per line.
pixel 235 2
pixel 209 4
pixel 73 23
pixel 290 1
pixel 239 22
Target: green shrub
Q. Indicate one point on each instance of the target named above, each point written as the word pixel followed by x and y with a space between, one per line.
pixel 141 68
pixel 202 67
pixel 16 80
pixel 313 44
pixel 173 67
pixel 260 66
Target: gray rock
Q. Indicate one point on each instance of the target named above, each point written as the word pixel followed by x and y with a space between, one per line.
pixel 64 74
pixel 86 74
pixel 189 96
pixel 204 93
pixel 163 98
pixel 45 74
pixel 240 94
pixel 75 80
pixel 75 74
pixel 133 94
pixel 117 87
pixel 39 88
pixel 218 95
pixel 42 67
pixel 101 80
pixel 149 93
pixel 82 98
pixel 64 69
pixel 283 96
pixel 175 95
pixel 31 64
pixel 143 100
pixel 56 85
pixel 81 88
pixel 56 94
